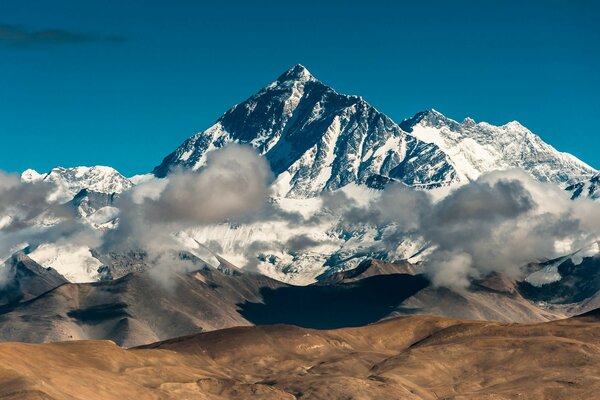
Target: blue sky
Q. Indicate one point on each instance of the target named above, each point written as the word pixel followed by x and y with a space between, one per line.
pixel 122 83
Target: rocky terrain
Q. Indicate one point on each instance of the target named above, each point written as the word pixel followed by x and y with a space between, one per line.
pixel 403 358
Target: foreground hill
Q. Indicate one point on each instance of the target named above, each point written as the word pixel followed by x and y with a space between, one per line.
pixel 403 358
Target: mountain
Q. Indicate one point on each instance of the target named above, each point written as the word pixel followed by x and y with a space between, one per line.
pixel 135 309
pixel 207 299
pixel 22 279
pixel 475 148
pixel 317 139
pixel 87 202
pixel 589 188
pixel 413 358
pixel 566 281
pixel 70 181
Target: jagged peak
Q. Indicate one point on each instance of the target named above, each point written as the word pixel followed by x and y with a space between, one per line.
pixel 430 116
pixel 434 117
pixel 84 168
pixel 297 73
pixel 31 175
pixel 428 113
pixel 514 125
pixel 433 111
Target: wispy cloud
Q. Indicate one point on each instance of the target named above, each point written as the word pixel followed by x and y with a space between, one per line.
pixel 17 36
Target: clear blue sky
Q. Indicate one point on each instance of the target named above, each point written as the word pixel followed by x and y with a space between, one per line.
pixel 122 83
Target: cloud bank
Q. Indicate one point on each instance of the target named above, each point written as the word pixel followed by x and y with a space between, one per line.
pixel 29 217
pixel 234 182
pixel 498 223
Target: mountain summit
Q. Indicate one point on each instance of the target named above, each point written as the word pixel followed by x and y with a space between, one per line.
pixel 316 139
pixel 297 73
pixel 70 181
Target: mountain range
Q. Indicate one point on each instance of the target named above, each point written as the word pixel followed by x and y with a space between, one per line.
pixel 42 306
pixel 317 139
pixel 318 143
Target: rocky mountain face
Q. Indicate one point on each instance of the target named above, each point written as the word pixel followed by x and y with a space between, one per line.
pixel 589 188
pixel 86 202
pixel 474 148
pixel 317 139
pixel 22 279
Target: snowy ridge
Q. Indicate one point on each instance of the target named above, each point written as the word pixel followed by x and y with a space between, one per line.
pixel 70 181
pixel 317 139
pixel 74 262
pixel 475 148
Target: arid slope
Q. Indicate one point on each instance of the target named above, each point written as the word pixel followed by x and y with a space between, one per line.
pixel 403 358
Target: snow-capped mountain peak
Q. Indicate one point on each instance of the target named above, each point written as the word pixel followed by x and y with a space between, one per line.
pixel 297 73
pixel 515 125
pixel 31 175
pixel 477 147
pixel 70 181
pixel 317 139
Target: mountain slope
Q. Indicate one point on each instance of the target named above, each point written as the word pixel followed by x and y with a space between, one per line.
pixel 574 280
pixel 589 188
pixel 317 139
pixel 138 308
pixel 142 307
pixel 475 148
pixel 22 279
